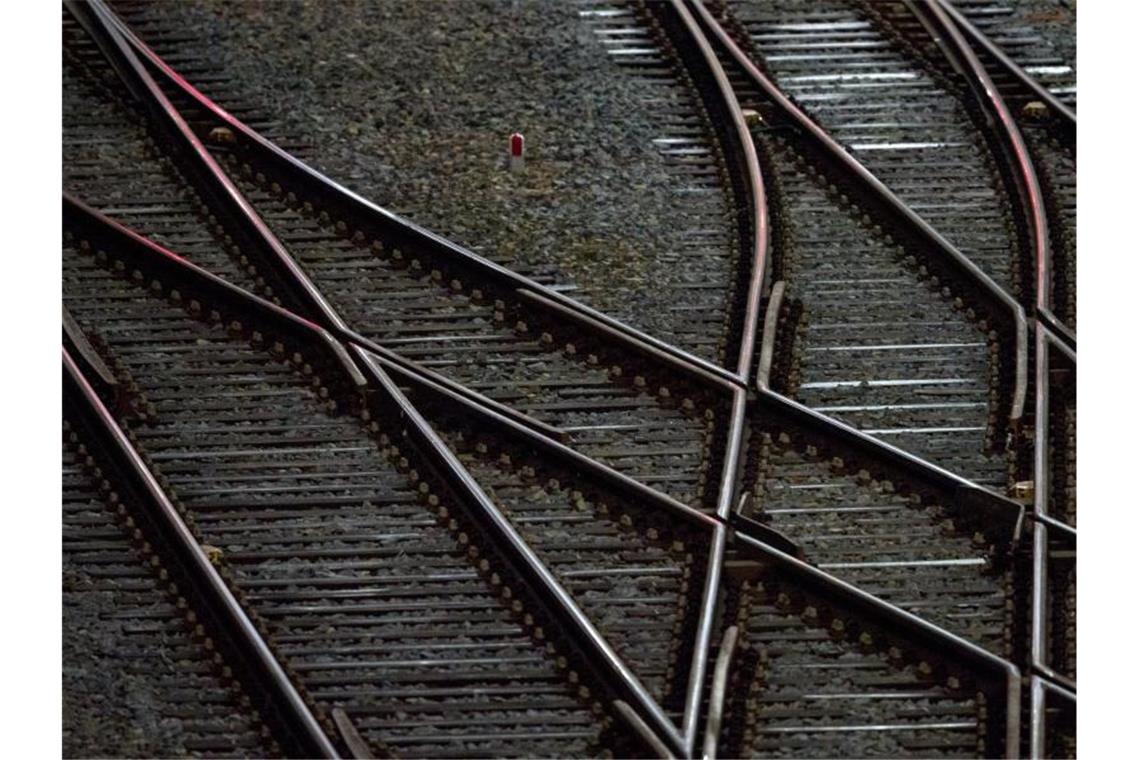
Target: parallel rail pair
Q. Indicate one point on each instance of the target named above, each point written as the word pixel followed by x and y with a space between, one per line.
pixel 225 195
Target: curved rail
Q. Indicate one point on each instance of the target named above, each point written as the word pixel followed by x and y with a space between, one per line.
pixel 1065 115
pixel 717 693
pixel 722 105
pixel 1014 151
pixel 747 180
pixel 211 591
pixel 999 301
pixel 388 224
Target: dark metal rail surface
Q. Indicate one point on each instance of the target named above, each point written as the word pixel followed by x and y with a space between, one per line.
pixel 387 225
pixel 368 371
pixel 1058 110
pixel 281 701
pixel 363 371
pixel 1005 309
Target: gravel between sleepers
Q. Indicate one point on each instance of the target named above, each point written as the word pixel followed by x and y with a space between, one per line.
pixel 411 104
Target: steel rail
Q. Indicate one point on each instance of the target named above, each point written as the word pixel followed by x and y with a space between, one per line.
pixel 85 355
pixel 768 341
pixel 726 115
pixel 1064 115
pixel 355 743
pixel 724 110
pixel 905 624
pixel 225 613
pixel 1038 724
pixel 872 188
pixel 989 507
pixel 1014 152
pixel 731 471
pixel 204 172
pixel 738 523
pixel 602 328
pixel 538 578
pixel 388 225
pixel 1059 331
pixel 127 243
pixel 643 730
pixel 1043 526
pixel 231 205
pixel 103 231
pixel 717 691
pixel 1067 532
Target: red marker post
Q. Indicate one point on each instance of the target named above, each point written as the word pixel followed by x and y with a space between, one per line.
pixel 517 146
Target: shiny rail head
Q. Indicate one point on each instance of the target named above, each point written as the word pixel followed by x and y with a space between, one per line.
pixel 383 224
pixel 172 272
pixel 879 625
pixel 747 183
pixel 246 651
pixel 998 516
pixel 593 651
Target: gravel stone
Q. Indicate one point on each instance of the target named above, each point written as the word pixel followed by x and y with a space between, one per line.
pixel 411 104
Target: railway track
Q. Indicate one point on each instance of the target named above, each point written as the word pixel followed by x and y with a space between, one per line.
pixel 693 267
pixel 469 516
pixel 374 598
pixel 912 367
pixel 689 145
pixel 130 649
pixel 1040 37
